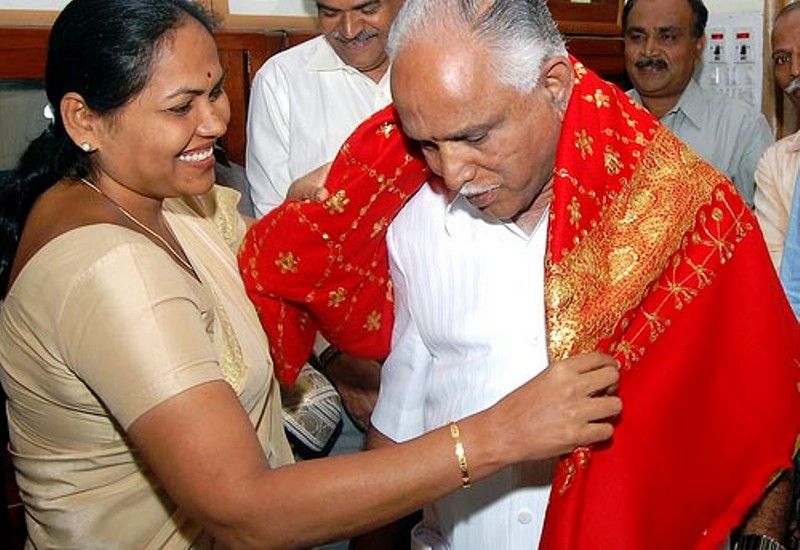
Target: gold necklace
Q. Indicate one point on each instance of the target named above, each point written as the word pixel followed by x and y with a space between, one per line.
pixel 144 228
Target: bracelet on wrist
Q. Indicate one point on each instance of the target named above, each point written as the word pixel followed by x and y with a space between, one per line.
pixel 461 455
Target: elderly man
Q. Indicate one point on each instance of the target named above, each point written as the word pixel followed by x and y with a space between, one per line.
pixel 564 219
pixel 778 169
pixel 664 40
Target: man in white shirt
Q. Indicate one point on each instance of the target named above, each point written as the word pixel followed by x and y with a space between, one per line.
pixel 484 91
pixel 306 100
pixel 779 166
pixel 664 40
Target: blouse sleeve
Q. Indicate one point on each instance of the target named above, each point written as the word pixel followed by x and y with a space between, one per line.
pixel 136 331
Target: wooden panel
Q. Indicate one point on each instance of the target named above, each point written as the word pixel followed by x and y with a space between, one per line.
pixel 24 53
pixel 241 55
pixel 600 17
pixel 605 56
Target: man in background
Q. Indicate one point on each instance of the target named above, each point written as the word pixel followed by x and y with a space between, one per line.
pixel 664 41
pixel 306 100
pixel 778 168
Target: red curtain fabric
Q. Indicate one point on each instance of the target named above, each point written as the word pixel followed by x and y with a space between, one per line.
pixel 651 256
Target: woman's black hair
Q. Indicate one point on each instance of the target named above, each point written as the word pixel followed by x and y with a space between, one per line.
pixel 104 51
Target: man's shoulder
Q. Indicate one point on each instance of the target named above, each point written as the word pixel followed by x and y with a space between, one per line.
pixel 729 106
pixel 786 145
pixel 293 59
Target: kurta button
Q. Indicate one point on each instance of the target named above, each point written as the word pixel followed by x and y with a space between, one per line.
pixel 524 516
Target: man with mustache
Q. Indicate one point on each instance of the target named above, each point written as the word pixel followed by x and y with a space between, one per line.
pixel 778 168
pixel 304 102
pixel 664 40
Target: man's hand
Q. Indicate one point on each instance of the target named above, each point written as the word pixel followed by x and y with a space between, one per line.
pixel 311 186
pixel 357 381
pixel 568 405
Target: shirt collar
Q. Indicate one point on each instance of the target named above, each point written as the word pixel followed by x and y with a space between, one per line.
pixel 692 103
pixel 459 214
pixel 324 59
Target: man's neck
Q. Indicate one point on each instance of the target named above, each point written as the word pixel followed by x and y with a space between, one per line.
pixel 659 106
pixel 377 73
pixel 529 219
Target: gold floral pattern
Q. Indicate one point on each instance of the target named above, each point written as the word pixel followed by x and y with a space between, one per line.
pixel 386 129
pixel 599 98
pixel 287 262
pixel 336 203
pixel 583 142
pixel 643 233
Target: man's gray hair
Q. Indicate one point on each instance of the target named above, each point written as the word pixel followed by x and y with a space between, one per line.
pixel 520 34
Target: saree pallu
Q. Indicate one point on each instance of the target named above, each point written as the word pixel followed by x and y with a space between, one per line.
pixel 652 257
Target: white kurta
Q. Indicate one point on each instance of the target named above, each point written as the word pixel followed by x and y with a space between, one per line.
pixel 469 329
pixel 304 103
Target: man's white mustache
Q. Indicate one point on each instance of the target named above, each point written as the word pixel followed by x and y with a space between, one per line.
pixel 793 86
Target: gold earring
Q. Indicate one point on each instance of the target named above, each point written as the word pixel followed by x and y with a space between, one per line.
pixel 87 148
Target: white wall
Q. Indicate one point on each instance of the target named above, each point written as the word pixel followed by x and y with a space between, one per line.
pixel 734 6
pixel 33 4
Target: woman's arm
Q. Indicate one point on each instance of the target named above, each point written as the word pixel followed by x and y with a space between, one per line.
pixel 202 447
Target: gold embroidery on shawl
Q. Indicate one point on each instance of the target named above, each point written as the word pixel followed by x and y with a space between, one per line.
pixel 336 261
pixel 386 129
pixel 287 262
pixel 583 142
pixel 373 322
pixel 335 203
pixel 337 297
pixel 609 270
pixel 599 98
pixel 612 161
pixel 574 209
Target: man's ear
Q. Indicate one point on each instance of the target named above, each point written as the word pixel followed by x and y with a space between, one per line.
pixel 701 46
pixel 557 79
pixel 82 124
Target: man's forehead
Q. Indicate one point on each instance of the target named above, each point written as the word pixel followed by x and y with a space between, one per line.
pixel 787 29
pixel 347 4
pixel 661 14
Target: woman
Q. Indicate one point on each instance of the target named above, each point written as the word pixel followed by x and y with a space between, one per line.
pixel 141 402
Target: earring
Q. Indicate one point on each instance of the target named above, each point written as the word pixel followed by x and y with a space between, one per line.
pixel 87 148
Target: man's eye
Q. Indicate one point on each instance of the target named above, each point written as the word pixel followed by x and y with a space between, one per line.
pixel 372 9
pixel 669 37
pixel 427 145
pixel 475 140
pixel 781 59
pixel 636 38
pixel 215 93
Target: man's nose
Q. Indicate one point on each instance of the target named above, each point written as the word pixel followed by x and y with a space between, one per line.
pixel 651 45
pixel 795 64
pixel 351 24
pixel 455 167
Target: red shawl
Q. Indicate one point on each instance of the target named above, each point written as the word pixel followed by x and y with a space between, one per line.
pixel 652 256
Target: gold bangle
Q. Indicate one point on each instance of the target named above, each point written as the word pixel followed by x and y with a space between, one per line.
pixel 461 456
